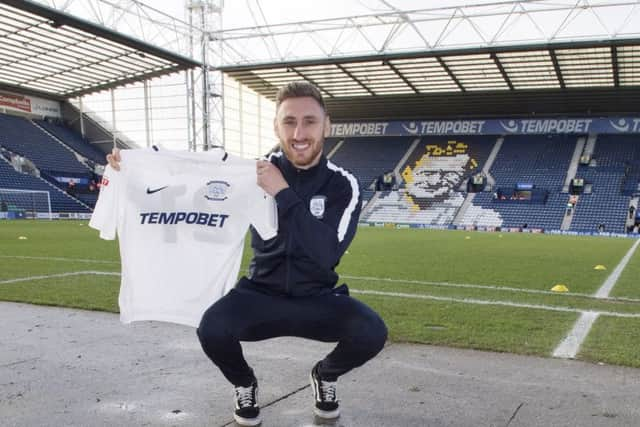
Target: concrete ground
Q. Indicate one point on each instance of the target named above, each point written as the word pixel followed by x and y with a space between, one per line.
pixel 63 367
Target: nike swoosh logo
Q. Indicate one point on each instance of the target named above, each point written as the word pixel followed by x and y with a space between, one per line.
pixel 150 191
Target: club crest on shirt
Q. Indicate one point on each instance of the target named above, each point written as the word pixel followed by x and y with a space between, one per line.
pixel 316 206
pixel 217 190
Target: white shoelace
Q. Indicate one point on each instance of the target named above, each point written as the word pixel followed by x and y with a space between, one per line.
pixel 244 396
pixel 328 390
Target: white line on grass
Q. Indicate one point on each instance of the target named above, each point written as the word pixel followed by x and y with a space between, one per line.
pixel 46 258
pixel 486 287
pixel 54 276
pixel 608 284
pixel 380 293
pixel 448 284
pixel 569 346
pixel 382 279
pixel 494 302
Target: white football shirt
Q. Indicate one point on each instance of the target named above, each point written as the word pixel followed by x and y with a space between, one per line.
pixel 181 219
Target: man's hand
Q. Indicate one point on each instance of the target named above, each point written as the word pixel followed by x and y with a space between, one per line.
pixel 114 159
pixel 270 178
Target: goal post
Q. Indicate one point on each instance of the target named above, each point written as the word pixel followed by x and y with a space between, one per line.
pixel 33 203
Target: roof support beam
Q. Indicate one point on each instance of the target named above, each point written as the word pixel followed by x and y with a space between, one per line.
pixel 124 82
pixel 614 65
pixel 450 73
pixel 505 76
pixel 431 54
pixel 399 74
pixel 556 66
pixel 515 22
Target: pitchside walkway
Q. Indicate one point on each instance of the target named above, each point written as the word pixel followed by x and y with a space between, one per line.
pixel 62 367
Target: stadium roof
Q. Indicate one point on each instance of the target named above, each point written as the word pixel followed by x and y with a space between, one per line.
pixel 49 53
pixel 418 83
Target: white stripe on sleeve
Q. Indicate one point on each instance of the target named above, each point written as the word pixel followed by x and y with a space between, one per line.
pixel 355 195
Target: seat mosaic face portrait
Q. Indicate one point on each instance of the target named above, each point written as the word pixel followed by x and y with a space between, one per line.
pixel 437 173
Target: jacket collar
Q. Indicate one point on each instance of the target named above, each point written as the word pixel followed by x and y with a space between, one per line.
pixel 289 169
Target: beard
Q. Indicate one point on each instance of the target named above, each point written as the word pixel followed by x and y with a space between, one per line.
pixel 303 154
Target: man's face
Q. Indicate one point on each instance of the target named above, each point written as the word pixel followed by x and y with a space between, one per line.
pixel 301 125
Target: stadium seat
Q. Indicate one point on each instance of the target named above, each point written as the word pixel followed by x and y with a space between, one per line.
pixel 541 160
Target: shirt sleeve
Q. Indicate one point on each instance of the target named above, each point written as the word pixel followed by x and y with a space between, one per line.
pixel 105 214
pixel 263 213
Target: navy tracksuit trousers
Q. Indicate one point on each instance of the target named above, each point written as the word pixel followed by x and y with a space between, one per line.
pixel 247 315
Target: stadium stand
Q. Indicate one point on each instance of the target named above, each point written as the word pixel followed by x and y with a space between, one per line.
pixel 60 201
pixel 74 141
pixel 24 138
pixel 538 162
pixel 369 157
pixel 433 175
pixel 51 159
pixel 88 199
pixel 631 186
pixel 329 145
pixel 614 162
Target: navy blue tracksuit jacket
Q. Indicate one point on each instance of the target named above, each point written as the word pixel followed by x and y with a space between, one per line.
pixel 317 220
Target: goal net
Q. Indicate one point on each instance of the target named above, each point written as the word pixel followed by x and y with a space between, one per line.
pixel 28 203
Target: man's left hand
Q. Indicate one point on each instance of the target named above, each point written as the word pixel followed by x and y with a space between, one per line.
pixel 270 178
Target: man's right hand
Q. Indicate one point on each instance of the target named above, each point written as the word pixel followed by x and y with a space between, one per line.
pixel 114 159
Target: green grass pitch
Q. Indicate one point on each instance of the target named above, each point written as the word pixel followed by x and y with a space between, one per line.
pixel 487 291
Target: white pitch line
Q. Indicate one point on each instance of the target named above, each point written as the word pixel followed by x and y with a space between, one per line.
pixel 485 287
pixel 570 345
pixel 371 292
pixel 608 284
pixel 587 313
pixel 46 258
pixel 494 302
pixel 451 285
pixel 382 279
pixel 54 276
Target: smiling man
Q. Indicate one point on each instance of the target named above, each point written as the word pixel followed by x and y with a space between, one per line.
pixel 291 286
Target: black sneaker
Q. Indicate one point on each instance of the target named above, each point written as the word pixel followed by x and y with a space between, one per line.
pixel 247 411
pixel 327 406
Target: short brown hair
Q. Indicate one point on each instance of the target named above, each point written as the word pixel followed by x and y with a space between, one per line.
pixel 299 89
